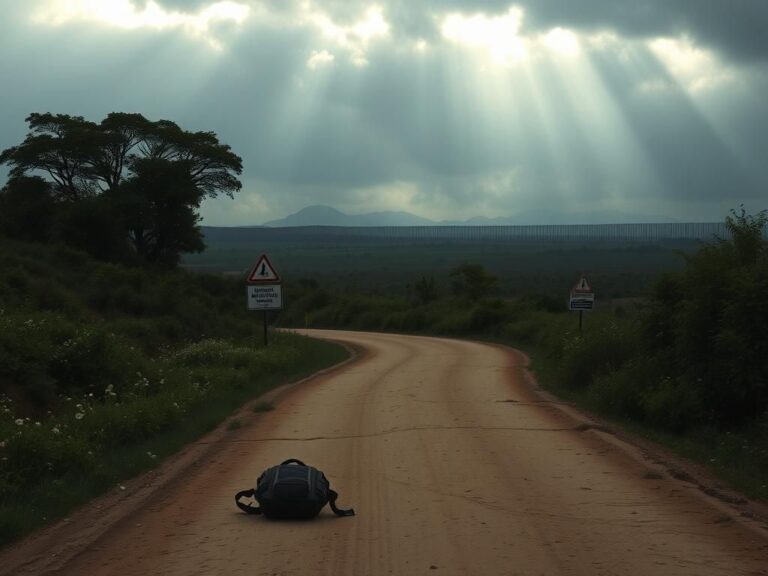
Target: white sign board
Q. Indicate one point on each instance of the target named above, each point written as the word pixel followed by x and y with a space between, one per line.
pixel 265 297
pixel 582 301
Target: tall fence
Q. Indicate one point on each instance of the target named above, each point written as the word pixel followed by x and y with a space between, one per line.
pixel 543 233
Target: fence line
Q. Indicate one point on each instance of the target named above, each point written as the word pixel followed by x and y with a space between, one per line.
pixel 540 233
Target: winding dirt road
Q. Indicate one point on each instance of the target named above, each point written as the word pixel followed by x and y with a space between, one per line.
pixel 455 464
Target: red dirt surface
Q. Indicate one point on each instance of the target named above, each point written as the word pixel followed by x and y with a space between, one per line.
pixel 455 463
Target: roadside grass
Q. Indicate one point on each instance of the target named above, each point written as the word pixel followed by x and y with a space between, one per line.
pixel 264 406
pixel 115 441
pixel 738 457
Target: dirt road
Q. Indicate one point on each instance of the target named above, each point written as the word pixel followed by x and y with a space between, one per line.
pixel 454 464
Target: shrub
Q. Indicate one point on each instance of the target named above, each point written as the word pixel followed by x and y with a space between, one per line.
pixel 622 392
pixel 674 405
pixel 602 349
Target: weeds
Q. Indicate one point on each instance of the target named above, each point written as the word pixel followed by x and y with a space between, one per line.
pixel 136 365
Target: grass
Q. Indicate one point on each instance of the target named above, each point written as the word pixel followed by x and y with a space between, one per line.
pixel 264 406
pixel 105 370
pixel 737 457
pixel 34 505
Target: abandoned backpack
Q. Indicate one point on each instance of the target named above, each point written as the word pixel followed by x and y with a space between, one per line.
pixel 291 490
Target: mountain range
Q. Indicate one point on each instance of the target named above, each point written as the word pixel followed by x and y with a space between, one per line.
pixel 326 216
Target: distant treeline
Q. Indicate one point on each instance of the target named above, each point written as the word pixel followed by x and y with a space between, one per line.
pixel 540 233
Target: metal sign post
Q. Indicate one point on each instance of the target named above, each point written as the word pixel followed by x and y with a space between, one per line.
pixel 264 291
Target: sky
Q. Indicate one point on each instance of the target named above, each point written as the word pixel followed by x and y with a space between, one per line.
pixel 447 109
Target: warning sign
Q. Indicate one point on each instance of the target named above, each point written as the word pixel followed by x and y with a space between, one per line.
pixel 582 296
pixel 582 285
pixel 263 272
pixel 265 297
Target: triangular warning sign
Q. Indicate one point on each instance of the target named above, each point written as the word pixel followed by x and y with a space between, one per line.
pixel 263 272
pixel 582 285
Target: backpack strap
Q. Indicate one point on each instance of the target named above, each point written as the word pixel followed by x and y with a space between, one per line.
pixel 332 496
pixel 247 508
pixel 293 461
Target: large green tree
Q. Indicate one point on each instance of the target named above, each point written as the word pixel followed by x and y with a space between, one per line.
pixel 155 173
pixel 158 207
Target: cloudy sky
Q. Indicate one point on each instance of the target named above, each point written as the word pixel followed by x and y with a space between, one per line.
pixel 443 108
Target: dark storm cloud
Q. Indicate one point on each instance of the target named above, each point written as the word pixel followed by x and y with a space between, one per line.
pixel 737 28
pixel 734 27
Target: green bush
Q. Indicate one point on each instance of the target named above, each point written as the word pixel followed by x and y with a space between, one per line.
pixel 603 348
pixel 674 405
pixel 622 392
pixel 35 451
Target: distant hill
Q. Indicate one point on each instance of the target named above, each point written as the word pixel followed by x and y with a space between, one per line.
pixel 326 216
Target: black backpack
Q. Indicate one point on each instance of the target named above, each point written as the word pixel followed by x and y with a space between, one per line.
pixel 291 490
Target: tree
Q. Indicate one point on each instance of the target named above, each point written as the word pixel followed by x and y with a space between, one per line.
pixel 706 326
pixel 83 158
pixel 27 209
pixel 152 176
pixel 60 146
pixel 425 290
pixel 747 242
pixel 121 134
pixel 94 225
pixel 158 206
pixel 472 281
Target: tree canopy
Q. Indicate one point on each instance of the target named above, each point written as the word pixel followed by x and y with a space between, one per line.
pixel 147 177
pixel 706 328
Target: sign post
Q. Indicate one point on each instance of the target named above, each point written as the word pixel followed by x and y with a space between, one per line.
pixel 264 290
pixel 582 298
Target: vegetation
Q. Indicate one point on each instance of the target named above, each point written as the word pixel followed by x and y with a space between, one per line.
pixel 125 190
pixel 686 363
pixel 387 268
pixel 104 370
pixel 108 364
